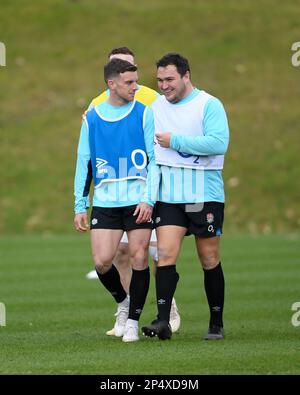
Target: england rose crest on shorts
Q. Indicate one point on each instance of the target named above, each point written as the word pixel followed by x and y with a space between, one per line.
pixel 210 218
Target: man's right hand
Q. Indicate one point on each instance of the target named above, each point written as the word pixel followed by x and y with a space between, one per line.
pixel 81 222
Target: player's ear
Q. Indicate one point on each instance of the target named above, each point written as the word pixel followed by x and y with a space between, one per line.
pixel 187 76
pixel 110 84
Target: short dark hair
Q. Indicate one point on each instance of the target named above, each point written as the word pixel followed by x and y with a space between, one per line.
pixel 172 58
pixel 116 67
pixel 121 50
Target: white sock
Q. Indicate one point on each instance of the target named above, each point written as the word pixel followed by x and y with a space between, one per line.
pixel 133 323
pixel 153 252
pixel 125 302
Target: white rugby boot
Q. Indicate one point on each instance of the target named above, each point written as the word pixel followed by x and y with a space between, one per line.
pixel 122 315
pixel 131 332
pixel 92 275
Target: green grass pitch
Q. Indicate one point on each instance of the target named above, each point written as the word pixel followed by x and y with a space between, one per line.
pixel 56 319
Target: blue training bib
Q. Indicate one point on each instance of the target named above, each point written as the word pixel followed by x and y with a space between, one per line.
pixel 117 147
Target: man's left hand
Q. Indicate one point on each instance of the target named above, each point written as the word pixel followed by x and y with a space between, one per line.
pixel 163 139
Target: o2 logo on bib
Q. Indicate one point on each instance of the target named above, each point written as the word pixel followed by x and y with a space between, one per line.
pixel 185 156
pixel 139 158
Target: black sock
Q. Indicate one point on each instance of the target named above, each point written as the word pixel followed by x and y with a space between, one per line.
pixel 111 281
pixel 214 288
pixel 166 281
pixel 138 291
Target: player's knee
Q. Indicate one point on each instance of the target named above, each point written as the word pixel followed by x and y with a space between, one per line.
pixel 123 249
pixel 102 265
pixel 139 257
pixel 210 260
pixel 166 256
